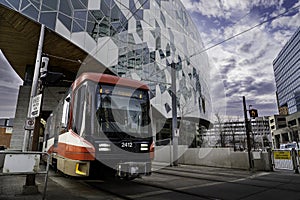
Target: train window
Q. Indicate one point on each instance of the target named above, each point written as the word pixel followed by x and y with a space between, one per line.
pixel 65 114
pixel 122 110
pixel 78 111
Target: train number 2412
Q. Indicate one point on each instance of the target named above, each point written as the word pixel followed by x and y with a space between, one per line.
pixel 126 145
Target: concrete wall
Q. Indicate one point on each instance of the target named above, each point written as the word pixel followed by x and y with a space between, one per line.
pixel 215 157
pixel 51 97
pixel 20 117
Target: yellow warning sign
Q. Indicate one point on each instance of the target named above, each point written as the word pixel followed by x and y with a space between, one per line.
pixel 282 155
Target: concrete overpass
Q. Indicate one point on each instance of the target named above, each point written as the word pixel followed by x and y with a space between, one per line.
pixel 19 37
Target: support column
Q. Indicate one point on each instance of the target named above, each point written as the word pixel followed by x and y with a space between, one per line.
pixel 174 115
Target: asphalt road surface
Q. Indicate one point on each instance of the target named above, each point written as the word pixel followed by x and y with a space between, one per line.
pixel 188 182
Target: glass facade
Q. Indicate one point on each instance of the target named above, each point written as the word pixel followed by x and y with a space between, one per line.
pixel 137 39
pixel 287 74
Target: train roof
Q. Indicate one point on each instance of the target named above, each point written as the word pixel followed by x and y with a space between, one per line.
pixel 108 79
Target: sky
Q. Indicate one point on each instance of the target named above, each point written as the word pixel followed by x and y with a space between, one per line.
pixel 241 66
pixel 9 88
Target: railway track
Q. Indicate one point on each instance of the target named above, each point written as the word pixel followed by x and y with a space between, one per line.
pixel 146 190
pixel 239 179
pixel 189 183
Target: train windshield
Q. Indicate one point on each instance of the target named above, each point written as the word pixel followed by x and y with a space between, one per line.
pixel 123 110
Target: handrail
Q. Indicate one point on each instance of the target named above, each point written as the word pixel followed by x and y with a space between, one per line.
pixel 26 172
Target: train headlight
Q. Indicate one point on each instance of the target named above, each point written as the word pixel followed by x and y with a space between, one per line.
pixel 144 147
pixel 104 147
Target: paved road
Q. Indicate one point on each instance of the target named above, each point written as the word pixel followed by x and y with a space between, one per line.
pixel 187 182
pixel 182 182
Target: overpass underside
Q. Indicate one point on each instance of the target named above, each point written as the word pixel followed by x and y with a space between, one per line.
pixel 19 37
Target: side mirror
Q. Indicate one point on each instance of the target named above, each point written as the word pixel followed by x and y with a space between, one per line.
pixel 68 99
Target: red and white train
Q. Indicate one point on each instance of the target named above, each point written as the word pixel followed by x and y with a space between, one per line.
pixel 103 120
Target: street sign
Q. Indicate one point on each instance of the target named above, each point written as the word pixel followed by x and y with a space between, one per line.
pixel 29 124
pixel 36 105
pixel 282 155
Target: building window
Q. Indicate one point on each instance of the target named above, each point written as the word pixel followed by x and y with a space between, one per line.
pixel 281 119
pixel 292 122
pixel 281 125
pixel 273 127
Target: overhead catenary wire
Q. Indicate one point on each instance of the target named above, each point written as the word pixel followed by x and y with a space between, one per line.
pixel 249 29
pixel 234 36
pixel 231 26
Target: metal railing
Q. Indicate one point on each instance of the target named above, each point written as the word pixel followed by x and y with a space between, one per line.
pixel 31 160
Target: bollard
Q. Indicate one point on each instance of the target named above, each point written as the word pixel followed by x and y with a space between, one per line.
pixel 270 160
pixel 294 158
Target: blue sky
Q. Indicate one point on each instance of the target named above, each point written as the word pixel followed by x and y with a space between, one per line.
pixel 244 63
pixel 241 66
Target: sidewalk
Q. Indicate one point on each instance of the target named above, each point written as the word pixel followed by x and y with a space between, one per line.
pixel 11 187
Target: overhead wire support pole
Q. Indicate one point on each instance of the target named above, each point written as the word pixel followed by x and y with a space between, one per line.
pixel 247 134
pixel 174 115
pixel 30 186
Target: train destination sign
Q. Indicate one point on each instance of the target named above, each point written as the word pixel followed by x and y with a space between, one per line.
pixel 36 105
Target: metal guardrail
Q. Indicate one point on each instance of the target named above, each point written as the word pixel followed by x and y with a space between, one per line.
pixel 10 164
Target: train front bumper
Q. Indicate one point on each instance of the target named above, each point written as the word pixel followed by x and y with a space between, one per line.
pixel 133 169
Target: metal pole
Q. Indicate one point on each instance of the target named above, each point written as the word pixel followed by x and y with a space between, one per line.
pixel 170 146
pixel 30 179
pixel 34 81
pixel 174 115
pixel 247 133
pixel 294 160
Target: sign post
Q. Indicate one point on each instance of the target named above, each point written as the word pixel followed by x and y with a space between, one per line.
pixel 247 134
pixel 30 186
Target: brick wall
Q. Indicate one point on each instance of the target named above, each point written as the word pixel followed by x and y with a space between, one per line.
pixel 4 138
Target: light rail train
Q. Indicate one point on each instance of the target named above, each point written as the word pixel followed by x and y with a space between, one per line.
pixel 101 123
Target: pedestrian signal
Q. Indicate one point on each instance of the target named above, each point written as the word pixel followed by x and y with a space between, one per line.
pixel 253 113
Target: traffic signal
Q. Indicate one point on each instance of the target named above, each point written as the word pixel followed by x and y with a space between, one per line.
pixel 253 113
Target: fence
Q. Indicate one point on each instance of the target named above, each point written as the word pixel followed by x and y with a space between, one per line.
pixel 287 159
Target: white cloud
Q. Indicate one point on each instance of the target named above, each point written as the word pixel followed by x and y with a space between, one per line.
pixel 7 74
pixel 245 57
pixel 287 22
pixel 244 63
pixel 228 9
pixel 8 99
pixel 9 87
